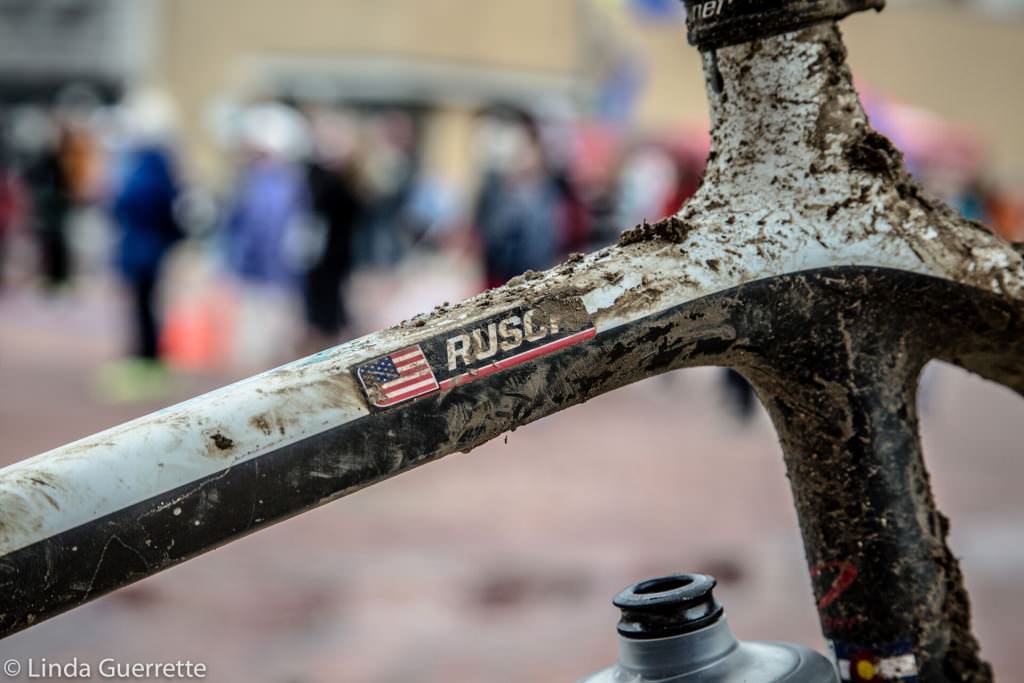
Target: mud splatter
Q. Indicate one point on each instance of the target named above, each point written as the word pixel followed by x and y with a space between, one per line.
pixel 671 229
pixel 261 423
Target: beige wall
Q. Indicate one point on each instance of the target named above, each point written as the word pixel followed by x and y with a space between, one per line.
pixel 966 67
pixel 963 66
pixel 209 43
pixel 960 65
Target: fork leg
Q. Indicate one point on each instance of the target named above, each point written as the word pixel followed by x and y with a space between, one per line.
pixel 841 391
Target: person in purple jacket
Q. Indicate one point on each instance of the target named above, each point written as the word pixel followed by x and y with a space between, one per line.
pixel 265 233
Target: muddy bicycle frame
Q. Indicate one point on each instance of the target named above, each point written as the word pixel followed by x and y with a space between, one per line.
pixel 808 260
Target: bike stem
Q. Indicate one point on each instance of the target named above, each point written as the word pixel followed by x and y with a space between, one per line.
pixel 808 260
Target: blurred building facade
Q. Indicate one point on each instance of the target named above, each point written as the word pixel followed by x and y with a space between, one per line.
pixel 454 55
pixel 622 59
pixel 48 44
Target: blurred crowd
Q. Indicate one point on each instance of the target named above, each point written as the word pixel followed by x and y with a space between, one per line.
pixel 320 193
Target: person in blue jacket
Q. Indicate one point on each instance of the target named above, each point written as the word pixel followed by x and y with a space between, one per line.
pixel 143 210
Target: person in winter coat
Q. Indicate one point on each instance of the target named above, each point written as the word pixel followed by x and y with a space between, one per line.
pixel 143 210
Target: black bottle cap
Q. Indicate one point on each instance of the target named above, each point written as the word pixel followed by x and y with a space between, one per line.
pixel 667 606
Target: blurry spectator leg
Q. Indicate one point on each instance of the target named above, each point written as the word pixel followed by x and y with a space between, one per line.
pixel 56 257
pixel 144 301
pixel 739 394
pixel 141 376
pixel 326 314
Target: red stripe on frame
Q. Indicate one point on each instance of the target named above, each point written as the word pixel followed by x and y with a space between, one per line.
pixel 512 361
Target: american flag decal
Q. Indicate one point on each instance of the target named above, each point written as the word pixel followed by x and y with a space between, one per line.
pixel 474 351
pixel 397 377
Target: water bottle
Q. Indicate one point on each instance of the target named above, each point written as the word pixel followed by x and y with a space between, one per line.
pixel 673 630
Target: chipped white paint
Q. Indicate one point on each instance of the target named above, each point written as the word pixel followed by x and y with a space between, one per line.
pixel 124 465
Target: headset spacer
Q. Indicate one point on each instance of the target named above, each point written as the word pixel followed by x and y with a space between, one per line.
pixel 712 24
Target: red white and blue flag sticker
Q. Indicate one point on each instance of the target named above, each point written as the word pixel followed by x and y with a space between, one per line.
pixel 397 377
pixel 875 663
pixel 473 351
